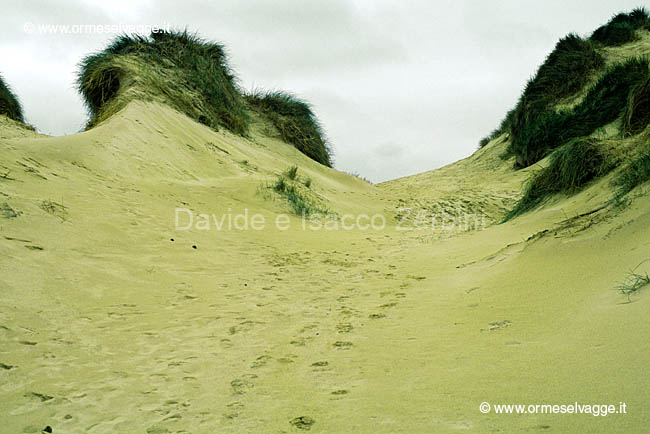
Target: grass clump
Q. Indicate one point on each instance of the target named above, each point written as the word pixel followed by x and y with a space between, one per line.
pixel 622 28
pixel 295 121
pixel 299 204
pixel 291 173
pixel 636 115
pixel 9 104
pixel 603 104
pixel 190 74
pixel 634 281
pixel 564 72
pixel 635 173
pixel 570 168
pixel 299 201
pixel 487 139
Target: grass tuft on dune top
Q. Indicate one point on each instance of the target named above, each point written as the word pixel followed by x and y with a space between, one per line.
pixel 295 121
pixel 192 76
pixel 564 72
pixel 186 72
pixel 557 105
pixel 9 104
pixel 622 28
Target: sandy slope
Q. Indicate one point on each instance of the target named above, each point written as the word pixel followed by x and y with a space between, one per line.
pixel 106 325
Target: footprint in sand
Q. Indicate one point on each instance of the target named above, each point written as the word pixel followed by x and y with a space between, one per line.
pixel 289 358
pixel 241 386
pixel 345 327
pixel 39 396
pixel 303 422
pixel 320 366
pixel 155 429
pixel 411 276
pixel 308 328
pixel 243 326
pixel 342 345
pixel 233 410
pixel 261 361
pixel 497 325
pixel 348 311
pixel 301 342
pixel 226 343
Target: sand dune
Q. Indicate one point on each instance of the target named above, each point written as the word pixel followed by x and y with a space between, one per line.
pixel 157 275
pixel 109 326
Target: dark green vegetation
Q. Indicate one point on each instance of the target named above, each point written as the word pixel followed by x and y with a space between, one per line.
pixel 622 28
pixel 570 98
pixel 289 186
pixel 564 72
pixel 192 76
pixel 637 111
pixel 537 127
pixel 636 172
pixel 570 168
pixel 295 122
pixel 603 104
pixel 9 104
pixel 207 89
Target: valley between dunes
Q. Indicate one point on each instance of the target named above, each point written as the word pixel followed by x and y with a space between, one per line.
pixel 106 325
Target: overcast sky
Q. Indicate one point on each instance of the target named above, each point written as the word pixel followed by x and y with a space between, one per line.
pixel 401 87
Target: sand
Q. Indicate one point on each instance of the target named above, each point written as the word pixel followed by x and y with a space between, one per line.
pixel 107 325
